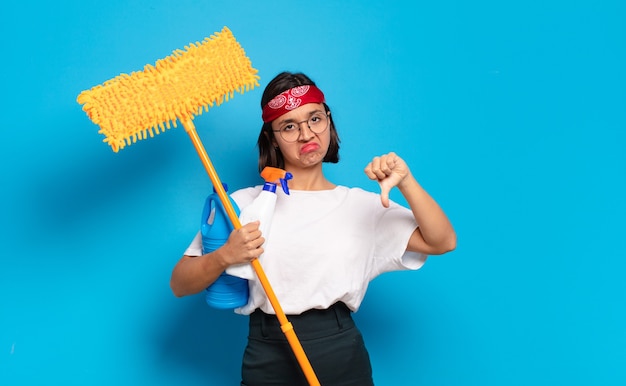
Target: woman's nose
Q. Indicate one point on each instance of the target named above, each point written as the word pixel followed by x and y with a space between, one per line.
pixel 305 131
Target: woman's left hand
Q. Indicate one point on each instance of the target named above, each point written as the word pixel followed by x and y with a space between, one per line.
pixel 388 170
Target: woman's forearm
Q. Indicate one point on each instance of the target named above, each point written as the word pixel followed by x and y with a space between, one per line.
pixel 434 226
pixel 192 274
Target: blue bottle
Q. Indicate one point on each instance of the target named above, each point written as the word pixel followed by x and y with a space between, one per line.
pixel 227 291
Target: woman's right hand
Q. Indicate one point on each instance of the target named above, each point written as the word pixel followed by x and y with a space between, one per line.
pixel 243 245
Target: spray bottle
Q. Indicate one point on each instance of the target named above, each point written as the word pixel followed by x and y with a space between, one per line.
pixel 227 291
pixel 262 209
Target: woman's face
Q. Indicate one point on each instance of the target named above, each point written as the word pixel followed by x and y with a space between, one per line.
pixel 309 147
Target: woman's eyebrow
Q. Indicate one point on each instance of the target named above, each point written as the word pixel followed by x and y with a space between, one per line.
pixel 290 120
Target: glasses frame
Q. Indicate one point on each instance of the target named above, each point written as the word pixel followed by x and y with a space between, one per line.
pixel 299 124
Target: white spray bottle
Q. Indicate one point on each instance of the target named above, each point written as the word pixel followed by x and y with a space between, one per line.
pixel 262 209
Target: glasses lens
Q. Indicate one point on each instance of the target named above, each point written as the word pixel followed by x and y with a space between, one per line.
pixel 318 123
pixel 290 135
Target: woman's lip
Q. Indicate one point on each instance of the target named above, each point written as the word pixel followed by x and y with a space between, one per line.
pixel 309 147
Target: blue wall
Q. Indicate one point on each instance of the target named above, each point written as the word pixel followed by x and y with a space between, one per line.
pixel 513 115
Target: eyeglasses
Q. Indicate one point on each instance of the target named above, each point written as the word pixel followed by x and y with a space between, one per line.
pixel 317 123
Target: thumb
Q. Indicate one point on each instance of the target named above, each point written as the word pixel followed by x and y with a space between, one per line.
pixel 384 194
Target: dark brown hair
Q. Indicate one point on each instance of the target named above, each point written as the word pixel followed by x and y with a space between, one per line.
pixel 272 156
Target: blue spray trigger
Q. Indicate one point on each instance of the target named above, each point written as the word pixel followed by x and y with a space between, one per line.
pixel 283 182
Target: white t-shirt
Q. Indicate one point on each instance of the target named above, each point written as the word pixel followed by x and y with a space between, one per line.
pixel 326 246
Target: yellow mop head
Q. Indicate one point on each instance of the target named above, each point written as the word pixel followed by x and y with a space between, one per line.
pixel 130 107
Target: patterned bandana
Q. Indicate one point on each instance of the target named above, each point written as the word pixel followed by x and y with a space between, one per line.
pixel 291 99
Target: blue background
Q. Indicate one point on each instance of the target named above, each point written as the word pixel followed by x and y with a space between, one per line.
pixel 511 114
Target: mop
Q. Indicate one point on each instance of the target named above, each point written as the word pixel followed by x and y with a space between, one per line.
pixel 132 107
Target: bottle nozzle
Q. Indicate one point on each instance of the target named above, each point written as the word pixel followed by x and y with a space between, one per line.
pixel 275 176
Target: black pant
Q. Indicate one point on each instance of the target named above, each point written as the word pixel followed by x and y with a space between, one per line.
pixel 330 339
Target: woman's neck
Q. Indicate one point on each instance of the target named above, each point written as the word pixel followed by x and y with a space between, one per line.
pixel 309 179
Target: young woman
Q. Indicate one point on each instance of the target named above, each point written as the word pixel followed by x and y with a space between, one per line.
pixel 327 243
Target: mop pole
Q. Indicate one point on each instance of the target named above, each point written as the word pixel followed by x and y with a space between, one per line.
pixel 285 325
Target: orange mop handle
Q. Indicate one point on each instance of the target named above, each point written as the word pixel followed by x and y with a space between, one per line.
pixel 285 325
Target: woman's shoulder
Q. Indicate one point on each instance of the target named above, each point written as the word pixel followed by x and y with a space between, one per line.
pixel 338 190
pixel 357 194
pixel 362 196
pixel 245 196
pixel 247 191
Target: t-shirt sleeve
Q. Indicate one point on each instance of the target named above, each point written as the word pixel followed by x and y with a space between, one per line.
pixel 195 248
pixel 395 226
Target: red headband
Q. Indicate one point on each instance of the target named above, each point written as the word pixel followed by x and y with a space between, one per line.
pixel 291 99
